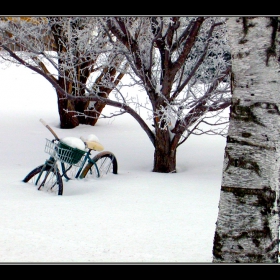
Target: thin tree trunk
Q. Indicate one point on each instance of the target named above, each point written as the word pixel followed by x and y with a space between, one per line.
pixel 247 226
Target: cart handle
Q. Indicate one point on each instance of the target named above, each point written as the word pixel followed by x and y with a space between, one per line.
pixel 49 128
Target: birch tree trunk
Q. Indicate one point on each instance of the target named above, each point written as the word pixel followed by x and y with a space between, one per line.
pixel 247 227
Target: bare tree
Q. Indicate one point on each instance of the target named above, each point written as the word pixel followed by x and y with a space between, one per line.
pixel 181 64
pixel 247 228
pixel 70 51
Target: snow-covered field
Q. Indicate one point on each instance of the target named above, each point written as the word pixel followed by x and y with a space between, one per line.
pixel 135 216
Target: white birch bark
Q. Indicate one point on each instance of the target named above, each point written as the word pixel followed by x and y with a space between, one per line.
pixel 247 226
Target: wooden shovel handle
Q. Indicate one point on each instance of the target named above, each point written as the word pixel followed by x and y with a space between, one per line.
pixel 49 128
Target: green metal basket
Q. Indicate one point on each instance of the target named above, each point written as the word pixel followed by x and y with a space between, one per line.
pixel 69 154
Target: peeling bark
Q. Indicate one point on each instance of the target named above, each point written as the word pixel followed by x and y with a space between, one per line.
pixel 247 226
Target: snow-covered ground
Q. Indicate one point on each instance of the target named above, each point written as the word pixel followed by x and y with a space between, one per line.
pixel 135 216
